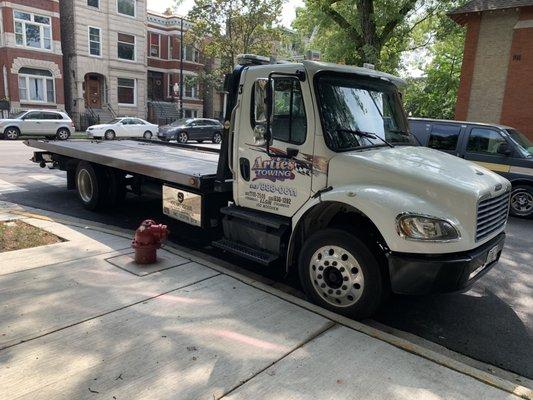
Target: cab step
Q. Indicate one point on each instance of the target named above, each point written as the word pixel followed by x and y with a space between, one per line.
pixel 258 256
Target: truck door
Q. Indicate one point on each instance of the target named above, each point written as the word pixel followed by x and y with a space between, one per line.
pixel 275 180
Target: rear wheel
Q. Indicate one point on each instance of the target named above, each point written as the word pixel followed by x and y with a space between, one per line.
pixel 522 201
pixel 147 135
pixel 109 135
pixel 12 133
pixel 338 272
pixel 63 134
pixel 182 137
pixel 91 185
pixel 217 138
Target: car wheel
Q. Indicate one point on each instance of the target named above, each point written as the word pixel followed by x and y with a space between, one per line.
pixel 183 137
pixel 147 135
pixel 522 201
pixel 91 185
pixel 12 133
pixel 217 138
pixel 338 272
pixel 109 135
pixel 63 134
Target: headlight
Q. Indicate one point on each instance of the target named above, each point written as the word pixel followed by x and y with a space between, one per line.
pixel 421 227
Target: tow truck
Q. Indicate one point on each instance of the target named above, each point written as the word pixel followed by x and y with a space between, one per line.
pixel 317 172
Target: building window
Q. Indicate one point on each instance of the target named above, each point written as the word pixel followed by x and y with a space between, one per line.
pixel 126 46
pixel 187 113
pixel 191 54
pixel 93 3
pixel 33 30
pixel 126 7
pixel 126 91
pixel 155 44
pixel 190 90
pixel 95 41
pixel 36 85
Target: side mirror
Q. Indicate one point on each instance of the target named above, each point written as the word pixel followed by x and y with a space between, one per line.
pixel 504 149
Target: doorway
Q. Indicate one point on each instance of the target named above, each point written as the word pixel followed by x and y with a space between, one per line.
pixel 93 91
pixel 156 88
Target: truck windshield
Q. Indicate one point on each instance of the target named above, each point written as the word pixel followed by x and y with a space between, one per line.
pixel 351 104
pixel 524 144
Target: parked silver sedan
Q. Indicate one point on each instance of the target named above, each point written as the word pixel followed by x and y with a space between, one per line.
pixel 49 123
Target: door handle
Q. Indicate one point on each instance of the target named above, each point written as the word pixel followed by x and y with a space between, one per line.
pixel 244 166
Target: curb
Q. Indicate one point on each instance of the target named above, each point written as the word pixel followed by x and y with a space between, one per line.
pixel 401 343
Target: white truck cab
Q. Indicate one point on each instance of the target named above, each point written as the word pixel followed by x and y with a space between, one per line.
pixel 317 172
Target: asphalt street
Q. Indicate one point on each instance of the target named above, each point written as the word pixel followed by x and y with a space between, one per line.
pixel 492 322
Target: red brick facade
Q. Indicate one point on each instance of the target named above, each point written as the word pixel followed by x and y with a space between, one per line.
pixel 517 105
pixel 14 56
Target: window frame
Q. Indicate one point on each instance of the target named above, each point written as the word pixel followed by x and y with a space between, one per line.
pixel 486 128
pixel 45 80
pixel 134 9
pixel 134 104
pixel 99 43
pixel 158 45
pixel 90 5
pixel 41 27
pixel 126 43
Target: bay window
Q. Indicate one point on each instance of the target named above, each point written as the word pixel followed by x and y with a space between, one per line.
pixel 190 53
pixel 190 89
pixel 155 44
pixel 32 30
pixel 36 85
pixel 127 91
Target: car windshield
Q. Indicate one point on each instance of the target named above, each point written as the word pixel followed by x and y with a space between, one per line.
pixel 17 115
pixel 524 144
pixel 114 121
pixel 354 109
pixel 180 122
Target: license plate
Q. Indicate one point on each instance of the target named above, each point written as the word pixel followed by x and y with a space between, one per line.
pixel 492 256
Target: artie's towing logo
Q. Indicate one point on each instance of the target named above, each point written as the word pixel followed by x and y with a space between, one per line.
pixel 274 169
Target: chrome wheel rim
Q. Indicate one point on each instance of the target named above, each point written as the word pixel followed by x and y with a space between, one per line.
pixel 85 185
pixel 11 134
pixel 522 202
pixel 336 276
pixel 217 138
pixel 183 137
pixel 62 135
pixel 109 135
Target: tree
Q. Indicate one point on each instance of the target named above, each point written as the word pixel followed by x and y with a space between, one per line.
pixel 226 28
pixel 358 31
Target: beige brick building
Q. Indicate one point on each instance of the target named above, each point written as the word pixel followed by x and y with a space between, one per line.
pixel 104 50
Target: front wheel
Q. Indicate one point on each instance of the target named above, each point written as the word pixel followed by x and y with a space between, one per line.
pixel 338 272
pixel 217 138
pixel 12 133
pixel 522 201
pixel 183 137
pixel 109 135
pixel 147 135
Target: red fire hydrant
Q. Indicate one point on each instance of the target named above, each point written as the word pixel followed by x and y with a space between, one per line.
pixel 148 238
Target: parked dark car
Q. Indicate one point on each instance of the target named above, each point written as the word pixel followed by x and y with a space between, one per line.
pixel 198 129
pixel 499 148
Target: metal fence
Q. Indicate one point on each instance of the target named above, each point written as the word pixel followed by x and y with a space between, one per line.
pixel 83 120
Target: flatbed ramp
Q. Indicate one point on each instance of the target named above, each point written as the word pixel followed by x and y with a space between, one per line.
pixel 156 160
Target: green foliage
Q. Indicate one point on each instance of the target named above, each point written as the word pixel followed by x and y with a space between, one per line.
pixel 227 28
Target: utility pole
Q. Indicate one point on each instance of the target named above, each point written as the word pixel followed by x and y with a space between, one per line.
pixel 181 67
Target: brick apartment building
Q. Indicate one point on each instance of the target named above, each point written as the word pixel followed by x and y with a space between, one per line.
pixel 30 54
pixel 163 75
pixel 497 73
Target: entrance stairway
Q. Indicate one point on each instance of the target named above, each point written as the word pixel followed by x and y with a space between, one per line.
pixel 162 112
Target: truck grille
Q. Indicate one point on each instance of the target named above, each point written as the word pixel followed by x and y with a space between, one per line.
pixel 492 215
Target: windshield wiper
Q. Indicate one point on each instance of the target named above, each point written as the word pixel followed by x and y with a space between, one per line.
pixel 366 135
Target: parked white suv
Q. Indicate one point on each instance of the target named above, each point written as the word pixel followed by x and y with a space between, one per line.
pixel 49 123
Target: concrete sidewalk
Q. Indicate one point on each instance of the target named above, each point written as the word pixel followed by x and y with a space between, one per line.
pixel 79 321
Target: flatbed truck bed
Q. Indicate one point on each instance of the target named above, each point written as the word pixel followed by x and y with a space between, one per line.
pixel 189 166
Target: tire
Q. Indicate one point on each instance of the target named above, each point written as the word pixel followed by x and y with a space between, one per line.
pixel 11 133
pixel 147 135
pixel 92 186
pixel 109 135
pixel 182 137
pixel 522 201
pixel 338 272
pixel 217 138
pixel 62 134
